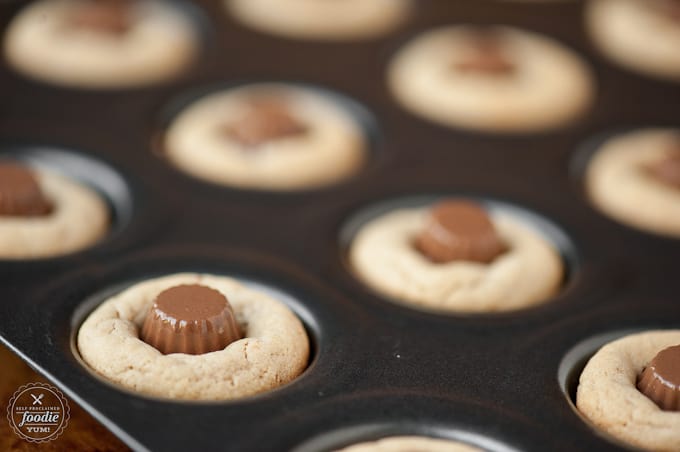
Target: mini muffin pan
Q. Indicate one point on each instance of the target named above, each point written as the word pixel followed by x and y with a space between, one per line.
pixel 503 382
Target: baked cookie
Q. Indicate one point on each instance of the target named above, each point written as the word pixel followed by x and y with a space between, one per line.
pixel 491 78
pixel 613 388
pixel 411 444
pixel 312 19
pixel 191 336
pixel 101 43
pixel 635 178
pixel 268 136
pixel 456 257
pixel 44 214
pixel 642 35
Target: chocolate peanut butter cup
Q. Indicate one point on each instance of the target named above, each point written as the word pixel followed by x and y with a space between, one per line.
pixel 667 170
pixel 667 8
pixel 459 230
pixel 486 56
pixel 660 380
pixel 265 120
pixel 107 16
pixel 192 319
pixel 20 192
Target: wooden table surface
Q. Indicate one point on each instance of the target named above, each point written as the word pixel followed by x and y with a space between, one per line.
pixel 83 432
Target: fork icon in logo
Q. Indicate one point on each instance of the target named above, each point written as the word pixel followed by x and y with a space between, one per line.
pixel 37 399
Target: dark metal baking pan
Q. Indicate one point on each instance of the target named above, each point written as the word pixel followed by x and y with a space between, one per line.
pixel 377 368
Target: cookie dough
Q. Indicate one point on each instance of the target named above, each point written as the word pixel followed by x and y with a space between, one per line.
pixel 491 78
pixel 274 350
pixel 642 35
pixel 78 219
pixel 608 397
pixel 269 136
pixel 619 183
pixel 383 255
pixel 50 41
pixel 411 444
pixel 321 20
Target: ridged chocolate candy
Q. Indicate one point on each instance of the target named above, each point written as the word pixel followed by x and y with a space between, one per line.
pixel 192 319
pixel 264 120
pixel 660 381
pixel 459 230
pixel 20 193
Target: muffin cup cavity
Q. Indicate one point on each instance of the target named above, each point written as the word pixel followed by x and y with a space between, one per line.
pixel 542 227
pixel 599 378
pixel 174 120
pixel 252 287
pixel 106 182
pixel 613 172
pixel 126 54
pixel 357 434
